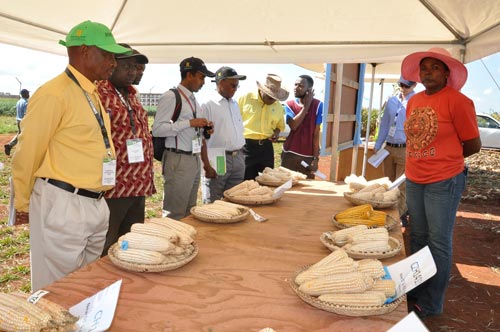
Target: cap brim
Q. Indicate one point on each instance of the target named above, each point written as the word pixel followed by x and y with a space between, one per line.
pixel 115 49
pixel 140 58
pixel 239 77
pixel 206 72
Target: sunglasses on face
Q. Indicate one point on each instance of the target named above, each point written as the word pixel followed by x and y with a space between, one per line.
pixel 404 86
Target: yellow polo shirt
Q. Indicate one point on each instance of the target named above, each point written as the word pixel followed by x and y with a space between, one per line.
pixel 260 120
pixel 61 138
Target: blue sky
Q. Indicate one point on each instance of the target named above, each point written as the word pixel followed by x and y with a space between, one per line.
pixel 33 68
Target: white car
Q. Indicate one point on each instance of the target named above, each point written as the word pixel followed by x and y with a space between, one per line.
pixel 489 131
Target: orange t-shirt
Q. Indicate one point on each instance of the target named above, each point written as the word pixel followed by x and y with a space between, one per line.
pixel 435 127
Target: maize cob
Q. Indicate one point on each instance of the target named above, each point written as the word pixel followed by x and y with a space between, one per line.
pixel 140 256
pixel 146 242
pixel 372 267
pixel 229 204
pixel 391 195
pixel 368 235
pixel 60 316
pixel 387 286
pixel 374 246
pixel 333 257
pixel 255 197
pixel 252 184
pixel 365 195
pixel 380 190
pixel 212 213
pixel 341 266
pixel 267 177
pixel 232 210
pixel 378 197
pixel 369 298
pixel 154 230
pixel 262 190
pixel 175 225
pixel 12 301
pixel 241 192
pixel 378 217
pixel 351 282
pixel 341 237
pixel 370 188
pixel 15 320
pixel 361 211
pixel 357 221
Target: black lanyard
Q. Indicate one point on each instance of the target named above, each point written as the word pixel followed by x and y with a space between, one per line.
pixel 129 110
pixel 97 114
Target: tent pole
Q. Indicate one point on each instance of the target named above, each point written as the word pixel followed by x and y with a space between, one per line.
pixel 368 120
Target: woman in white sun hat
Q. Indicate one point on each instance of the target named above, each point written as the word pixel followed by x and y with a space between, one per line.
pixel 441 131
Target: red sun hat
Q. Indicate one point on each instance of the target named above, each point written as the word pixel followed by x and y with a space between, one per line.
pixel 410 68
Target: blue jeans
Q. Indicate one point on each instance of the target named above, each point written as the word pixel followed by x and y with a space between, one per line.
pixel 433 208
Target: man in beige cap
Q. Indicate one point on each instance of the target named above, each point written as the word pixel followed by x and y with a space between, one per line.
pixel 263 119
pixel 62 168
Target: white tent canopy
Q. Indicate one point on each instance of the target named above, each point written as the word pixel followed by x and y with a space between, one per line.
pixel 266 31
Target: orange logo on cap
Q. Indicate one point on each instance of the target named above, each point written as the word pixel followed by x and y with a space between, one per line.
pixel 79 33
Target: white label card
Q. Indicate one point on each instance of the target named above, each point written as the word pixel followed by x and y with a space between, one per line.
pixel 256 216
pixel 134 151
pixel 196 145
pixel 411 323
pixel 108 172
pixel 392 131
pixel 412 271
pixel 278 192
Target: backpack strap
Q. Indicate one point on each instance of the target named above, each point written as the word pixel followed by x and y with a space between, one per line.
pixel 178 105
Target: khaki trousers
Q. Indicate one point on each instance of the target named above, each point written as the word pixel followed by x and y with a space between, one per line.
pixel 394 167
pixel 67 232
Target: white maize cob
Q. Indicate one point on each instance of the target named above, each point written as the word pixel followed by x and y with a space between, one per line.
pixel 146 242
pixel 341 266
pixel 212 213
pixel 387 286
pixel 262 190
pixel 229 204
pixel 368 235
pixel 374 246
pixel 363 195
pixel 391 195
pixel 237 187
pixel 351 282
pixel 60 315
pixel 12 301
pixel 333 257
pixel 154 230
pixel 379 190
pixel 370 188
pixel 372 267
pixel 232 211
pixel 267 177
pixel 252 184
pixel 15 320
pixel 368 298
pixel 140 256
pixel 241 192
pixel 342 236
pixel 174 224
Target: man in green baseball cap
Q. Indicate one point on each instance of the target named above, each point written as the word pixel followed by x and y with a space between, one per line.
pixel 62 168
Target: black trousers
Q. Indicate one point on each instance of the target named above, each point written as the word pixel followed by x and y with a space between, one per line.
pixel 259 154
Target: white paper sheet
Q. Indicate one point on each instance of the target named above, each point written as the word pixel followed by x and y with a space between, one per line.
pixel 278 192
pixel 96 313
pixel 411 323
pixel 412 271
pixel 316 173
pixel 376 159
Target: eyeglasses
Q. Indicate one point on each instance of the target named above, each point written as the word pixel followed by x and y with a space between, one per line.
pixel 404 86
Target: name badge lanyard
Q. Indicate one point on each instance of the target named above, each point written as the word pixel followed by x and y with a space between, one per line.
pixel 193 109
pixel 97 114
pixel 129 110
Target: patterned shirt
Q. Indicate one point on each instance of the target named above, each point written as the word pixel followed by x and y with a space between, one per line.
pixel 134 179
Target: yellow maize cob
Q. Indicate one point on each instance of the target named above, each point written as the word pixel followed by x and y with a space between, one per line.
pixel 370 188
pixel 333 257
pixel 372 267
pixel 387 286
pixel 351 282
pixel 341 266
pixel 140 256
pixel 342 236
pixel 361 211
pixel 374 246
pixel 357 221
pixel 146 242
pixel 12 301
pixel 369 235
pixel 262 190
pixel 154 230
pixel 378 217
pixel 368 298
pixel 229 204
pixel 173 224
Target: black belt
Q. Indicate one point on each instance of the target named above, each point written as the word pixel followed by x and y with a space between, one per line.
pixel 396 145
pixel 233 153
pixel 179 151
pixel 82 192
pixel 257 141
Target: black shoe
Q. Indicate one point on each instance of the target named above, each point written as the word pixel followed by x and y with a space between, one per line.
pixel 7 149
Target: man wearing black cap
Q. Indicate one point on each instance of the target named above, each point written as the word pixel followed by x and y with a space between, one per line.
pixel 392 132
pixel 21 106
pixel 181 163
pixel 228 138
pixel 133 146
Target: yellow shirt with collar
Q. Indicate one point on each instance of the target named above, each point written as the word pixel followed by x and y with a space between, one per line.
pixel 260 120
pixel 61 138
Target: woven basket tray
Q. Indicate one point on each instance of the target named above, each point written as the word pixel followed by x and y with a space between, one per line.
pixel 274 183
pixel 243 201
pixel 192 251
pixel 354 311
pixel 219 220
pixel 375 204
pixel 395 244
pixel 390 223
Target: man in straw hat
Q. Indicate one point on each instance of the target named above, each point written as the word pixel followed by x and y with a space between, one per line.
pixel 63 167
pixel 225 114
pixel 441 130
pixel 263 119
